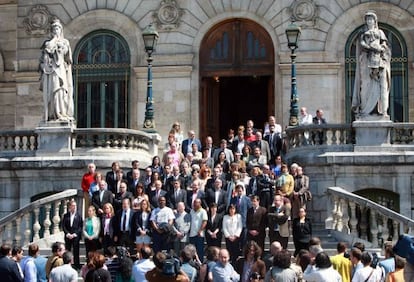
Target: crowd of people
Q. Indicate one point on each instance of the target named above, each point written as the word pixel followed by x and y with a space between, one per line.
pixel 199 213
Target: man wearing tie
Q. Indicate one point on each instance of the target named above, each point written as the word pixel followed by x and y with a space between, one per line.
pixel 156 194
pixel 72 225
pixel 134 180
pixel 256 222
pixel 217 196
pixel 122 225
pixel 243 204
pixel 278 221
pixel 176 195
pixel 101 197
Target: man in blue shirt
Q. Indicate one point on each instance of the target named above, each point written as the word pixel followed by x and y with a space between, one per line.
pixel 223 271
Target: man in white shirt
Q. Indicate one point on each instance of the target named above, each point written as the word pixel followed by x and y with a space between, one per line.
pixel 142 265
pixel 304 118
pixel 198 225
pixel 161 219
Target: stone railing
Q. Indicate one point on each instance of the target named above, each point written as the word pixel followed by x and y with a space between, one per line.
pixel 334 137
pixel 94 140
pixel 37 220
pixel 402 134
pixel 14 143
pixel 85 141
pixel 317 135
pixel 356 217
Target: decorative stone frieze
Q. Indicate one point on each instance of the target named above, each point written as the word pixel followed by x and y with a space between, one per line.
pixel 168 15
pixel 304 11
pixel 38 20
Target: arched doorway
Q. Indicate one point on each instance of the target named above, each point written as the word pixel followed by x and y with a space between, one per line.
pixel 237 77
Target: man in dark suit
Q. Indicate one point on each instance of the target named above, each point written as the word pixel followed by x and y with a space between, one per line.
pixel 122 194
pixel 187 143
pixel 275 142
pixel 239 143
pixel 72 225
pixel 134 165
pixel 209 147
pixel 169 184
pixel 242 203
pixel 133 180
pixel 176 195
pixel 9 271
pixel 101 197
pixel 122 224
pixel 217 196
pixel 214 226
pixel 256 222
pixel 278 221
pixel 319 120
pixel 110 177
pixel 196 193
pixel 156 194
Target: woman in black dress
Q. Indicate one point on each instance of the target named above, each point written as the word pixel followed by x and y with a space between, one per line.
pixel 302 231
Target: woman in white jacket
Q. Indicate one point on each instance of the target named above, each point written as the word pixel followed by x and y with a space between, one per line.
pixel 232 228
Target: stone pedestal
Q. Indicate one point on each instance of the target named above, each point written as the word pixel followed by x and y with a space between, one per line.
pixel 372 132
pixel 55 138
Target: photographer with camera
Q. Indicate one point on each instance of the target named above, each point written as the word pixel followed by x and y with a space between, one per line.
pixel 167 269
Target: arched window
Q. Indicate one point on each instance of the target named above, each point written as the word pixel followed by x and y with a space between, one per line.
pixel 101 80
pixel 398 107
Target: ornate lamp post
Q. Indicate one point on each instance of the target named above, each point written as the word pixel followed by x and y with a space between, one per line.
pixel 292 33
pixel 150 36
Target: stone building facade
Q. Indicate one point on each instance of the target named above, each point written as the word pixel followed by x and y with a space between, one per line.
pixel 181 74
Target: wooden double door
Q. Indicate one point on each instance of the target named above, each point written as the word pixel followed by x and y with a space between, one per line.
pixel 236 77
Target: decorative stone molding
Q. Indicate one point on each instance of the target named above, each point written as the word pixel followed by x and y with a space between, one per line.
pixel 304 11
pixel 38 20
pixel 168 15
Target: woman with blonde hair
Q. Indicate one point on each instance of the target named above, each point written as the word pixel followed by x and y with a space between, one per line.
pixel 91 230
pixel 107 231
pixel 140 229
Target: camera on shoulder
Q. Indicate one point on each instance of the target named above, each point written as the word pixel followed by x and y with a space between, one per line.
pixel 171 266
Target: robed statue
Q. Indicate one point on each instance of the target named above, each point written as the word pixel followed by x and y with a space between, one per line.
pixel 373 70
pixel 56 76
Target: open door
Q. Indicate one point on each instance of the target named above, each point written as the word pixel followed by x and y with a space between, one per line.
pixel 236 77
pixel 209 105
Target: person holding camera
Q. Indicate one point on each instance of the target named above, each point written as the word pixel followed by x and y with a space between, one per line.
pixel 167 269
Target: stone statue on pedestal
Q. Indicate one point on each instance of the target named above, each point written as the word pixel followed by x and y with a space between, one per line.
pixel 56 76
pixel 373 71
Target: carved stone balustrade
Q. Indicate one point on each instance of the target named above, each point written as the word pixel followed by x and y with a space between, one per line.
pixel 87 142
pixel 357 218
pixel 18 143
pixel 33 222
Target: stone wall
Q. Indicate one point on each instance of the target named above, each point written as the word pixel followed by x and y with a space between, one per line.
pixel 320 62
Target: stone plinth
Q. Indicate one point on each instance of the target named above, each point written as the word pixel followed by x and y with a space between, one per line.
pixel 371 132
pixel 55 138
